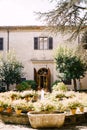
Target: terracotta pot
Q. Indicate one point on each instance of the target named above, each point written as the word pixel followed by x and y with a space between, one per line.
pixel 18 112
pixel 27 98
pixel 9 110
pixel 81 109
pixel 73 111
pixel 1 108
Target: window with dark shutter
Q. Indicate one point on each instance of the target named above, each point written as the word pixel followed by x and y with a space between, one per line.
pixel 1 43
pixel 35 43
pixel 43 43
pixel 50 43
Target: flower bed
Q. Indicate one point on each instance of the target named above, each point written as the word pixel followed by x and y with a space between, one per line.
pixel 56 101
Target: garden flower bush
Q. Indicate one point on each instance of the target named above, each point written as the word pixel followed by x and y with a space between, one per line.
pixel 59 87
pixel 56 101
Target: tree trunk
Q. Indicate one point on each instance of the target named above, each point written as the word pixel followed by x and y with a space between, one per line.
pixel 7 87
pixel 75 84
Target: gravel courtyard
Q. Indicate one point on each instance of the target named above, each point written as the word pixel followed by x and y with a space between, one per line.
pixel 23 127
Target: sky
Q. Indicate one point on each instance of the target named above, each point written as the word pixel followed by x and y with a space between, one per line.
pixel 22 12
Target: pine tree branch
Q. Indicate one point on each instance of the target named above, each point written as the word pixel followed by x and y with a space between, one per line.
pixel 67 13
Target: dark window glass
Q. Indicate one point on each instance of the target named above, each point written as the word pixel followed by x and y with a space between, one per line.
pixel 35 43
pixel 43 43
pixel 1 43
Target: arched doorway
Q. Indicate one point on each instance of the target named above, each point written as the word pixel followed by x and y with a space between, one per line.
pixel 42 78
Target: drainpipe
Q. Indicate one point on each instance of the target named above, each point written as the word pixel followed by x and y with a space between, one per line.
pixel 78 39
pixel 7 40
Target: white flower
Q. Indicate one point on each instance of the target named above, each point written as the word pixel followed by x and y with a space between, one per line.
pixel 19 104
pixel 45 105
pixel 59 87
pixel 27 93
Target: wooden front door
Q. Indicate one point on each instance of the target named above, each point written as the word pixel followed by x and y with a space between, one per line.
pixel 42 78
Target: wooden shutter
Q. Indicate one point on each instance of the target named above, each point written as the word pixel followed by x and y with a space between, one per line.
pixel 35 43
pixel 1 43
pixel 50 43
pixel 35 75
pixel 49 80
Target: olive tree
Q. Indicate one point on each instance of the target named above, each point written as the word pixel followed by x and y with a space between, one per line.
pixel 10 70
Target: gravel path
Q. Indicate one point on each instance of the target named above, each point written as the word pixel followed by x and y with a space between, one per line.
pixel 22 127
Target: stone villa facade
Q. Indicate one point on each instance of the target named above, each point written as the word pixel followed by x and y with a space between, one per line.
pixel 34 46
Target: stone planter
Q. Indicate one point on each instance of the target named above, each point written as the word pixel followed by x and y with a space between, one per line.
pixel 41 120
pixel 13 118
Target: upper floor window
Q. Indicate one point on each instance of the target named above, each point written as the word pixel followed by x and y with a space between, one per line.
pixel 43 43
pixel 1 43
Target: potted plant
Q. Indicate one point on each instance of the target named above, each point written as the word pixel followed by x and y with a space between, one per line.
pixel 44 106
pixel 7 105
pixel 30 107
pixel 70 94
pixel 1 105
pixel 28 95
pixel 14 95
pixel 73 104
pixel 19 105
pixel 82 105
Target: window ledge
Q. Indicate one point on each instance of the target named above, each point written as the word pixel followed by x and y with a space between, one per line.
pixel 42 61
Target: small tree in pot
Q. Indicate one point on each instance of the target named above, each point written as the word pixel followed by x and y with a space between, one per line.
pixel 69 65
pixel 10 70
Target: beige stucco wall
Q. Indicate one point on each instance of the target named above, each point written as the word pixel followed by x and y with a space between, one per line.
pixel 23 45
pixel 22 41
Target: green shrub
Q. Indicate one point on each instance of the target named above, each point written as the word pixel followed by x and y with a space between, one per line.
pixel 25 85
pixel 32 83
pixel 22 86
pixel 55 82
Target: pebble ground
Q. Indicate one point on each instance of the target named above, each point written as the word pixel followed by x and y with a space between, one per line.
pixel 23 127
